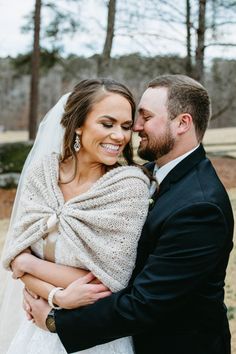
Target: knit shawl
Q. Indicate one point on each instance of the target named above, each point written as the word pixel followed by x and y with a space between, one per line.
pixel 102 225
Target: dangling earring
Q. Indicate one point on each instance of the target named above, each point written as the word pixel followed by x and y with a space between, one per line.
pixel 77 144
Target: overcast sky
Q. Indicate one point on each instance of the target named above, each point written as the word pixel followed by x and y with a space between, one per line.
pixel 13 42
pixel 11 18
pixel 93 15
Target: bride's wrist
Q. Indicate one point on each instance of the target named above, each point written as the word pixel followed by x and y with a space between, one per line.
pixel 59 298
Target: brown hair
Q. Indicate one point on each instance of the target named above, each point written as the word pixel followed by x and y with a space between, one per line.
pixel 185 95
pixel 81 101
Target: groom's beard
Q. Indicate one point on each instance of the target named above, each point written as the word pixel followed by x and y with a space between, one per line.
pixel 156 147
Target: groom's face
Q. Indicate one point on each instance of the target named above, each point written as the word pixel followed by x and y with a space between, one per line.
pixel 153 125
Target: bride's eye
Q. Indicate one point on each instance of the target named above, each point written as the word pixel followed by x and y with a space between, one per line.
pixel 107 125
pixel 127 127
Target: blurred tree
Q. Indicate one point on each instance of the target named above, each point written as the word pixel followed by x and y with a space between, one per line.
pixel 214 18
pixel 189 18
pixel 104 58
pixel 34 84
pixel 134 70
pixel 157 27
pixel 196 25
pixel 200 48
pixel 222 86
pixel 48 58
pixel 56 22
pixel 221 19
pixel 189 65
pixel 63 22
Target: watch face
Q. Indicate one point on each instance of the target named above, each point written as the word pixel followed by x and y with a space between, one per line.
pixel 50 322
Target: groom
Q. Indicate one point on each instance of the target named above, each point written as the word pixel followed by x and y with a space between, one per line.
pixel 175 301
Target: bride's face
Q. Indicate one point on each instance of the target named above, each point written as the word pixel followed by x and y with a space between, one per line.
pixel 106 130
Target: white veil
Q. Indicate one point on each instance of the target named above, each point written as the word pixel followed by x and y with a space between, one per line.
pixel 49 139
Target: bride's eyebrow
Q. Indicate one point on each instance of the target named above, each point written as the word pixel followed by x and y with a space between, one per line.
pixel 108 117
pixel 115 120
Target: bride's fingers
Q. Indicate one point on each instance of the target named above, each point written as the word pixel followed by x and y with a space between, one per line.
pixel 26 306
pixel 27 309
pixel 35 296
pixel 14 276
pixel 29 317
pixel 98 288
pixel 86 278
pixel 27 296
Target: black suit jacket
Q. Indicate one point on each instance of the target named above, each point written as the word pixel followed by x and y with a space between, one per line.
pixel 175 301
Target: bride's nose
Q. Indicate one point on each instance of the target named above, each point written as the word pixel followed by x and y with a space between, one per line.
pixel 117 135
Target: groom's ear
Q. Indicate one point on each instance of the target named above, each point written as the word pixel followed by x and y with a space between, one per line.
pixel 184 123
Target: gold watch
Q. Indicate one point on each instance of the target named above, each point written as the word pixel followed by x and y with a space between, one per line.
pixel 50 321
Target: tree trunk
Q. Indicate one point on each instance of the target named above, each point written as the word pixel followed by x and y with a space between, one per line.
pixel 34 85
pixel 104 59
pixel 188 39
pixel 199 74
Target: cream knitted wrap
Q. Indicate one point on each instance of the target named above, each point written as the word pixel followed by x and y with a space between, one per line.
pixel 103 224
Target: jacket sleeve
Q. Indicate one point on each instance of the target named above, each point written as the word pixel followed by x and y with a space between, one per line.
pixel 192 242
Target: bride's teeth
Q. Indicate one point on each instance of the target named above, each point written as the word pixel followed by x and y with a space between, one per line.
pixel 111 147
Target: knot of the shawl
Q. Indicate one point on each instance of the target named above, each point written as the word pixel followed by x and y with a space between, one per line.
pixel 51 223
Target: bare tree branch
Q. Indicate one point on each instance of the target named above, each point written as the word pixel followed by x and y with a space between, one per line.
pixel 220 44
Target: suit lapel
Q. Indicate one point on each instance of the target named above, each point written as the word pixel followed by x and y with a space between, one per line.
pixel 177 172
pixel 182 169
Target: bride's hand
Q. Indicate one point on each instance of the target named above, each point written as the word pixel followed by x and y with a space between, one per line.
pixel 19 264
pixel 27 308
pixel 81 293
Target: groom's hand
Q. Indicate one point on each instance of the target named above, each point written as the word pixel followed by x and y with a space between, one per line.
pixel 39 309
pixel 81 292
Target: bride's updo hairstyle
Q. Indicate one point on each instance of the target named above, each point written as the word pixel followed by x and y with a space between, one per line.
pixel 81 101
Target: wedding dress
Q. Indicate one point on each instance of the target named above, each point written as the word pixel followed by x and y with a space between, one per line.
pixel 32 340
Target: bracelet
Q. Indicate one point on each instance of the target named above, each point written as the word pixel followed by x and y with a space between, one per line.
pixel 51 296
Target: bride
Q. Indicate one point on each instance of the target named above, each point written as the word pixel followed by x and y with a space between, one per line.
pixel 77 210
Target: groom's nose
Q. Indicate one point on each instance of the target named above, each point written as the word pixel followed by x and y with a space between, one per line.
pixel 138 124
